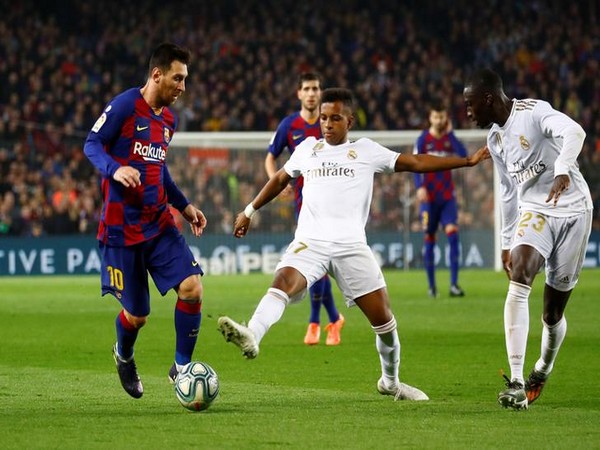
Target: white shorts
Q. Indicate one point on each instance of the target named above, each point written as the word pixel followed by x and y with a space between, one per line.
pixel 353 266
pixel 562 241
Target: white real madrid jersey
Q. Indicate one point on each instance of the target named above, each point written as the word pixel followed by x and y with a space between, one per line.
pixel 535 144
pixel 338 187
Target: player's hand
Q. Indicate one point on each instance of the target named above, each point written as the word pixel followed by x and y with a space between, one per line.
pixel 561 184
pixel 128 176
pixel 421 195
pixel 480 155
pixel 196 219
pixel 506 265
pixel 241 225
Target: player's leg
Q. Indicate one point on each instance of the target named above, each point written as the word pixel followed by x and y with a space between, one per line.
pixel 301 265
pixel 562 272
pixel 124 276
pixel 287 284
pixel 313 332
pixel 429 221
pixel 336 320
pixel 525 263
pixel 360 279
pixel 449 219
pixel 172 266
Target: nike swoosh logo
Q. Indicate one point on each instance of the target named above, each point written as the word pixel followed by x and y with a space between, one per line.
pixel 296 137
pixel 138 128
pixel 194 263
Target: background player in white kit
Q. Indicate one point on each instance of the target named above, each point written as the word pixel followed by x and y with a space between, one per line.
pixel 330 237
pixel 546 217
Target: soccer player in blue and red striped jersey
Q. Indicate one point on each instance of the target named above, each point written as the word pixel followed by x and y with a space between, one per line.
pixel 137 234
pixel 290 132
pixel 435 192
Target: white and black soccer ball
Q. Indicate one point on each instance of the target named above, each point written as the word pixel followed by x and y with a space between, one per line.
pixel 197 386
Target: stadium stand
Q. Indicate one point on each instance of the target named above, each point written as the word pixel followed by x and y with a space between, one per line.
pixel 61 61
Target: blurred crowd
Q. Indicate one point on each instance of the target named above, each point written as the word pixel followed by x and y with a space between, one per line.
pixel 60 62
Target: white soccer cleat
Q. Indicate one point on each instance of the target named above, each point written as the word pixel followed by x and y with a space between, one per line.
pixel 402 392
pixel 240 335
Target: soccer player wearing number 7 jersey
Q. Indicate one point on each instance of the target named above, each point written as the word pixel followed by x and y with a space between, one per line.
pixel 546 218
pixel 137 234
pixel 330 237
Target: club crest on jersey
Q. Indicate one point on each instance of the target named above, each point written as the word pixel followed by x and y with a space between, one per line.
pixel 352 154
pixel 167 134
pixel 524 143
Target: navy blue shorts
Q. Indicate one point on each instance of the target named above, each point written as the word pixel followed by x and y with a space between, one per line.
pixel 167 258
pixel 432 214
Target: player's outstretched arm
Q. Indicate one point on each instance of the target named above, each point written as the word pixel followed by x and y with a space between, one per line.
pixel 269 191
pixel 429 163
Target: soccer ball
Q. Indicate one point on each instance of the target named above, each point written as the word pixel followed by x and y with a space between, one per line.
pixel 197 386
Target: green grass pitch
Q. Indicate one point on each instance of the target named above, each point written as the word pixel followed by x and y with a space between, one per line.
pixel 59 388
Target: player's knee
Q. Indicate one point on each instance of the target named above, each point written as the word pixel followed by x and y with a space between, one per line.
pixel 136 321
pixel 551 318
pixel 450 229
pixel 191 290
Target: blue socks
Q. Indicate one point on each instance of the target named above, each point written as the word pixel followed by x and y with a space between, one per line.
pixel 126 336
pixel 321 293
pixel 454 250
pixel 187 325
pixel 428 261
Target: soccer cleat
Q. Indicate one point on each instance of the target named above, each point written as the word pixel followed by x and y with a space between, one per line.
pixel 333 331
pixel 432 293
pixel 402 392
pixel 240 335
pixel 514 395
pixel 456 291
pixel 130 380
pixel 534 385
pixel 313 334
pixel 173 372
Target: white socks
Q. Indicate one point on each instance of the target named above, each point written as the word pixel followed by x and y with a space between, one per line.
pixel 552 338
pixel 388 347
pixel 516 327
pixel 269 311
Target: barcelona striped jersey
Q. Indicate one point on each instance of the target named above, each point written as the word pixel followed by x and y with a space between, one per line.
pixel 291 131
pixel 130 133
pixel 439 185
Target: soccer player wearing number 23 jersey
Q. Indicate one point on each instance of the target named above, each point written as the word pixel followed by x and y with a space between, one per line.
pixel 546 219
pixel 137 234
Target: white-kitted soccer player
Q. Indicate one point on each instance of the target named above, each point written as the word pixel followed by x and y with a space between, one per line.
pixel 330 237
pixel 546 218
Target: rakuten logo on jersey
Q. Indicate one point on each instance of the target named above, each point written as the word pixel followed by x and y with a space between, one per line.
pixel 149 153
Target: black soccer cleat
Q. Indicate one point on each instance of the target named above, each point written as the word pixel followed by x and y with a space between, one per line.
pixel 534 385
pixel 130 380
pixel 514 395
pixel 173 372
pixel 456 291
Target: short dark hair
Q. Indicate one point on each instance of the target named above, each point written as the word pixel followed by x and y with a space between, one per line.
pixel 438 106
pixel 308 76
pixel 343 95
pixel 164 55
pixel 485 79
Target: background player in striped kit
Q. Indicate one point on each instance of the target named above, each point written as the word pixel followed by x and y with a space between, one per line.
pixel 290 132
pixel 137 235
pixel 546 218
pixel 435 193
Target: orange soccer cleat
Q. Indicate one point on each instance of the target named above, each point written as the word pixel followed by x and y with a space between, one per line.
pixel 333 331
pixel 313 334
